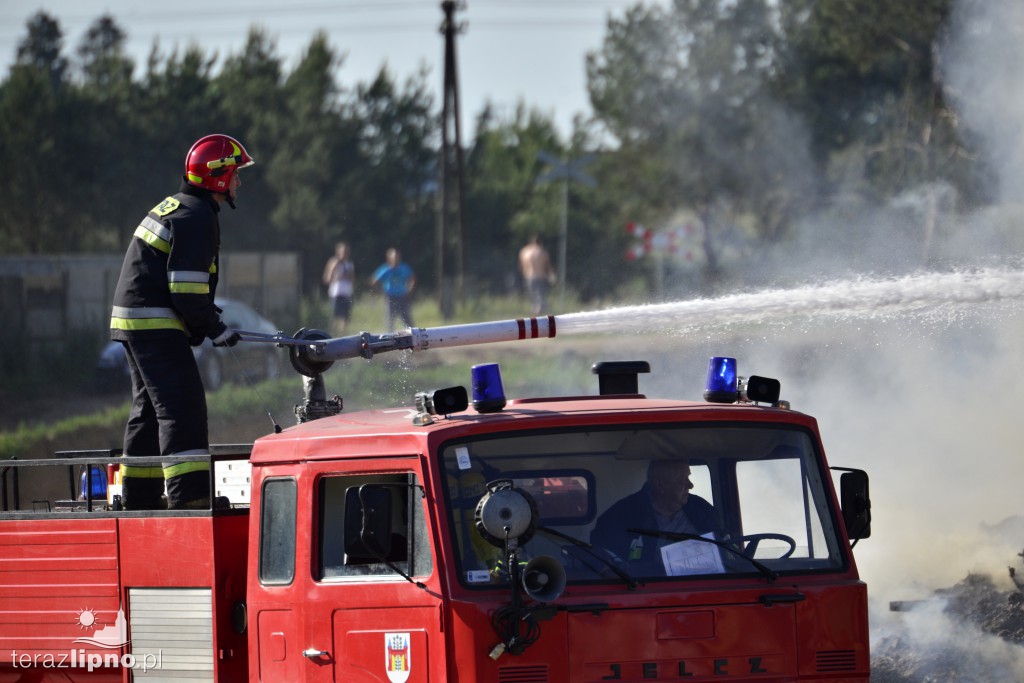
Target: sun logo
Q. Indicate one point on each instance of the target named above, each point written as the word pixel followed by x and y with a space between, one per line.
pixel 87 618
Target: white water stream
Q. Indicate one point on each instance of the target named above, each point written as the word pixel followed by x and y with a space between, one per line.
pixel 934 295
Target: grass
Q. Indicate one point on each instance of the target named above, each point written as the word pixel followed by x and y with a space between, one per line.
pixel 239 412
pixel 26 439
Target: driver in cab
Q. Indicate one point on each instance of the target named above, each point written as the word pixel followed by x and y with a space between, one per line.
pixel 664 504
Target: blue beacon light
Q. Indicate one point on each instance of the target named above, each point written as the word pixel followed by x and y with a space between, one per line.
pixel 99 483
pixel 488 393
pixel 720 386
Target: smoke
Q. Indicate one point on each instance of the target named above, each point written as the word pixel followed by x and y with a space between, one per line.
pixel 940 640
pixel 978 68
pixel 929 404
pixel 933 419
pixel 981 72
pixel 932 410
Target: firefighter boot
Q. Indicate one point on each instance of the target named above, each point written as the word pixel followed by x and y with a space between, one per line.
pixel 142 493
pixel 189 491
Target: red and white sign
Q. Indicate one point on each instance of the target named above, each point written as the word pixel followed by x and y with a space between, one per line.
pixel 680 241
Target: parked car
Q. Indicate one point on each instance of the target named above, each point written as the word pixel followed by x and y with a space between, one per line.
pixel 217 364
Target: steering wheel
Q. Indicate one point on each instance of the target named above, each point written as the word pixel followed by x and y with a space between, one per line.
pixel 752 541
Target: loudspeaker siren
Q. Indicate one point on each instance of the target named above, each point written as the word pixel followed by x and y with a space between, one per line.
pixel 544 578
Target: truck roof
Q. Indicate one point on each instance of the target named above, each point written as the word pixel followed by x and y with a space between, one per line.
pixel 391 431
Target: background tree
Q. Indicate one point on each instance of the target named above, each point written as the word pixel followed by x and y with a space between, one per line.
pixel 106 132
pixel 298 163
pixel 393 182
pixel 686 92
pixel 866 79
pixel 42 49
pixel 36 104
pixel 176 106
pixel 504 203
pixel 250 85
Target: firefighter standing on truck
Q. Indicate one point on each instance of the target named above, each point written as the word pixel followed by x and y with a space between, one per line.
pixel 164 305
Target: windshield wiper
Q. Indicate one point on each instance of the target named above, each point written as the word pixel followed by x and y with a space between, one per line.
pixel 683 536
pixel 588 549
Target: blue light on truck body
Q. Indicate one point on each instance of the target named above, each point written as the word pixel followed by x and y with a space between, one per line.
pixel 488 393
pixel 720 386
pixel 99 483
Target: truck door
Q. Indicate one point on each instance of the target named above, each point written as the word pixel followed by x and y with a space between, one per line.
pixel 374 606
pixel 275 588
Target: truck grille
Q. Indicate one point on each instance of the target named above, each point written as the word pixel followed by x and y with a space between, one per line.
pixel 831 661
pixel 523 674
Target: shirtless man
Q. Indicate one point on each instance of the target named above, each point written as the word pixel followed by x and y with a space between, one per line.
pixel 538 274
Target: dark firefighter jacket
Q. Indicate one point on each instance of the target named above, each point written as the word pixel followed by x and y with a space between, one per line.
pixel 169 276
pixel 636 512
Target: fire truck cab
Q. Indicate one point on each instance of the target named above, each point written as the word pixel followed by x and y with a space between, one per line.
pixel 517 541
pixel 520 545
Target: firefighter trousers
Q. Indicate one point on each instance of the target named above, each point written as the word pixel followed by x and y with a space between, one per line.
pixel 168 417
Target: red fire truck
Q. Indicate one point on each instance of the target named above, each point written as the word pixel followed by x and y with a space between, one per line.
pixel 465 538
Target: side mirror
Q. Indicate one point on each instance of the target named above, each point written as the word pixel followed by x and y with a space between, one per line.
pixel 367 523
pixel 856 503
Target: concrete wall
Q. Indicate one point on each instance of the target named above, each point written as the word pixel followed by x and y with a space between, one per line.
pixel 46 298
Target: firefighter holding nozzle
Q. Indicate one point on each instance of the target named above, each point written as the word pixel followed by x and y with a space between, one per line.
pixel 164 305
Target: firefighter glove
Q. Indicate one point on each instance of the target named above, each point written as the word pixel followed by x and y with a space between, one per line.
pixel 227 338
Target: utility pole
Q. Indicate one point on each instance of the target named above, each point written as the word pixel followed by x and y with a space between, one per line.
pixel 451 211
pixel 565 170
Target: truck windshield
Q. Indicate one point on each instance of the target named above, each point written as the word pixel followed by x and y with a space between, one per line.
pixel 624 504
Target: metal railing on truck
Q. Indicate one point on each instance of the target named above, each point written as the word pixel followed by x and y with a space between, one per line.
pixel 229 473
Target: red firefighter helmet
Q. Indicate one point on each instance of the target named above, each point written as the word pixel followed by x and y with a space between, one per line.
pixel 213 160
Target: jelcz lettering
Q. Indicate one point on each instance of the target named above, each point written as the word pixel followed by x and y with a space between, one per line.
pixel 650 670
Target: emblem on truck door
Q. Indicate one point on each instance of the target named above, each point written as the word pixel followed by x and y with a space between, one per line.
pixel 397 650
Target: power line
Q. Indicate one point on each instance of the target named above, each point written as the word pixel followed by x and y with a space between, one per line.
pixel 392 16
pixel 305 13
pixel 346 8
pixel 174 34
pixel 495 23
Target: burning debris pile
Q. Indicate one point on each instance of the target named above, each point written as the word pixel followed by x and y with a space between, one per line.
pixel 971 632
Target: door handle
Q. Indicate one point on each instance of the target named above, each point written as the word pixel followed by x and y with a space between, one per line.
pixel 313 654
pixel 778 599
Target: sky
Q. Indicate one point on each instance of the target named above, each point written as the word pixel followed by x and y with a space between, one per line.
pixel 510 51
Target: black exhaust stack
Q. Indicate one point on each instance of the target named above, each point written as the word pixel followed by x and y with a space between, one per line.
pixel 619 376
